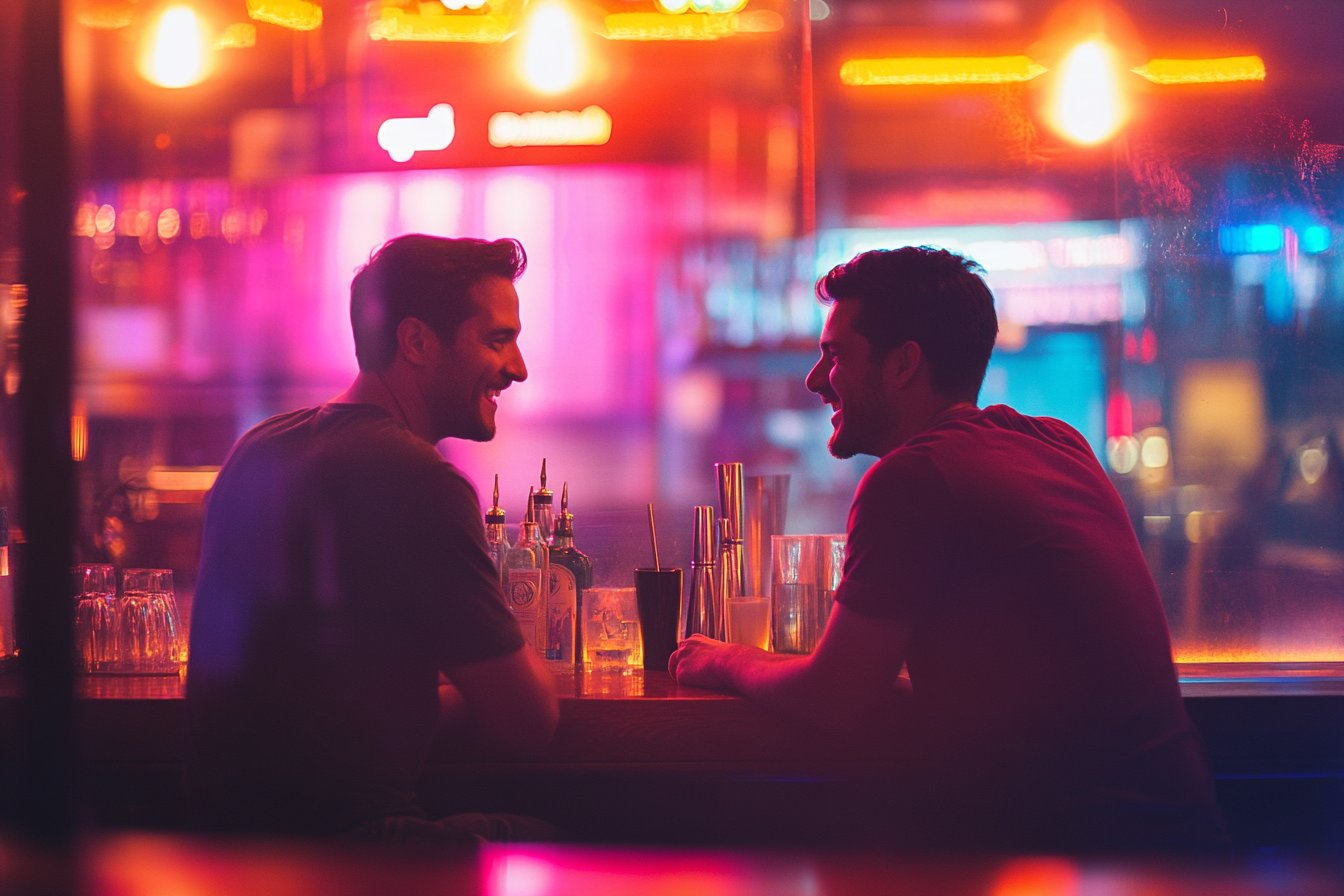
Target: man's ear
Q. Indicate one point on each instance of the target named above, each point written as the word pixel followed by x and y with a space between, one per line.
pixel 900 365
pixel 417 342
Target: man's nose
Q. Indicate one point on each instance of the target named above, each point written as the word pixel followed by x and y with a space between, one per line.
pixel 516 367
pixel 818 377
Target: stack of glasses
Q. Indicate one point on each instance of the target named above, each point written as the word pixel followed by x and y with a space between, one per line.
pixel 137 633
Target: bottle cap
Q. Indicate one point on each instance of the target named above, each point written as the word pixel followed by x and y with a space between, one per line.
pixel 496 513
pixel 564 526
pixel 543 494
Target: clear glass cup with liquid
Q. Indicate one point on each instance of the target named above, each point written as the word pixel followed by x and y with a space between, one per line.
pixel 611 632
pixel 794 601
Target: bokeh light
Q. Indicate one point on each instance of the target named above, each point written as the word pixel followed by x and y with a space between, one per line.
pixel 1088 105
pixel 552 51
pixel 178 52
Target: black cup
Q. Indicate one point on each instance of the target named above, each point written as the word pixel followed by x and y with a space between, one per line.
pixel 658 592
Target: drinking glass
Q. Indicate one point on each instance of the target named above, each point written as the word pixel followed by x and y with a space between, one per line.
pixel 830 569
pixel 151 637
pixel 749 621
pixel 95 586
pixel 658 593
pixel 611 633
pixel 794 613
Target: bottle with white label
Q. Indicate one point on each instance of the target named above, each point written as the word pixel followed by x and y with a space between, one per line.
pixel 571 575
pixel 526 567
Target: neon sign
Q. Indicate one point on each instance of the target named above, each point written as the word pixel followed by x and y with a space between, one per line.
pixel 404 137
pixel 591 127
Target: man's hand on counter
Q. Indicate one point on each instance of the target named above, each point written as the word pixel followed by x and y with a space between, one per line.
pixel 841 685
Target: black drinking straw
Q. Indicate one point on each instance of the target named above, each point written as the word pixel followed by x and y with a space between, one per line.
pixel 653 537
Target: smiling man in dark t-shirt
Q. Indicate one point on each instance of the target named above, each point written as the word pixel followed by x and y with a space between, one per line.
pixel 990 554
pixel 344 568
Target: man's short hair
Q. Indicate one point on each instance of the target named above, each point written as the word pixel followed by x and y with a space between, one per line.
pixel 928 296
pixel 425 277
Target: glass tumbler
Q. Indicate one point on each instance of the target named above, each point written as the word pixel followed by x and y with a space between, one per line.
pixel 611 632
pixel 151 637
pixel 96 641
pixel 794 609
pixel 830 569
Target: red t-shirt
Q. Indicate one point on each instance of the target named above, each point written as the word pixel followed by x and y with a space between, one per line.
pixel 1044 692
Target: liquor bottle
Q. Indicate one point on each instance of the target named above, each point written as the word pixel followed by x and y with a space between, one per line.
pixel 571 575
pixel 544 505
pixel 496 536
pixel 526 566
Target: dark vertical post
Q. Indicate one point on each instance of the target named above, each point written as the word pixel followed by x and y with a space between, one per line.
pixel 46 614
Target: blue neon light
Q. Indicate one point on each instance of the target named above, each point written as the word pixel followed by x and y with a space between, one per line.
pixel 1315 238
pixel 1250 239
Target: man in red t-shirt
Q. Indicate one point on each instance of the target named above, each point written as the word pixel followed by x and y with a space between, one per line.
pixel 989 554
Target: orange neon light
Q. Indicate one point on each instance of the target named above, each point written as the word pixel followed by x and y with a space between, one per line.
pixel 940 70
pixel 1203 71
pixel 660 26
pixel 396 24
pixel 79 431
pixel 105 16
pixel 298 15
pixel 1212 653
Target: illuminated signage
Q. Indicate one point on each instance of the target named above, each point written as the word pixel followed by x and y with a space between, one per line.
pixel 591 127
pixel 299 15
pixel 1203 71
pixel 940 70
pixel 397 24
pixel 404 137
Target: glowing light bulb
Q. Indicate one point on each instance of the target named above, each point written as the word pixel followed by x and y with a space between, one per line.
pixel 179 50
pixel 552 54
pixel 1088 106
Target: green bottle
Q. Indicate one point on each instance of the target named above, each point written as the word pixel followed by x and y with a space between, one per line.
pixel 571 575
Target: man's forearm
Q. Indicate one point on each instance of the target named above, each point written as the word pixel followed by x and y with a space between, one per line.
pixel 782 684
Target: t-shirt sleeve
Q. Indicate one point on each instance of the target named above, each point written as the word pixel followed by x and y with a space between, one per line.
pixel 456 592
pixel 900 538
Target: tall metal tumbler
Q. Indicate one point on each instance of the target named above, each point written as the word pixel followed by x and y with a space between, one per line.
pixel 700 607
pixel 729 478
pixel 765 509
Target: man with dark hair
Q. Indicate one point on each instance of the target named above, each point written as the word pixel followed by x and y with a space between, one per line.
pixel 990 555
pixel 344 569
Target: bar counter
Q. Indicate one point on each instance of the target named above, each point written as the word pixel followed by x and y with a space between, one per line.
pixel 628 747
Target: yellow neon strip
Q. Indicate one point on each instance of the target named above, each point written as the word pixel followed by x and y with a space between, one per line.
pixel 483 29
pixel 298 15
pixel 237 36
pixel 658 26
pixel 1203 71
pixel 940 70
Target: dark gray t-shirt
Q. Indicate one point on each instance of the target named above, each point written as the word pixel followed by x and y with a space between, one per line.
pixel 343 566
